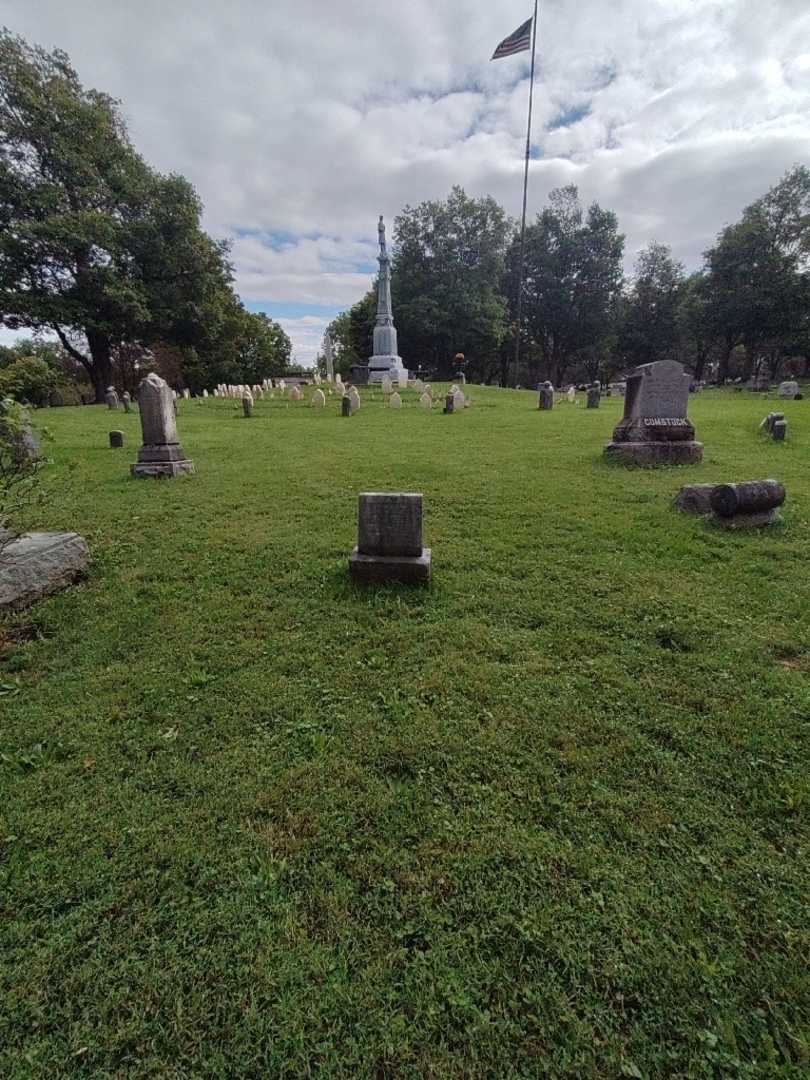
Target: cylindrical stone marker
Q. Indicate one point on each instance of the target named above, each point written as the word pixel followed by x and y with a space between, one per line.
pixel 116 440
pixel 751 497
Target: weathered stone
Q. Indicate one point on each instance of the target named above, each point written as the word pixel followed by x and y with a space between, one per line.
pixel 779 430
pixel 654 429
pixel 39 564
pixel 295 393
pixel 594 396
pixel 752 496
pixel 126 401
pixel 757 520
pixel 395 401
pixel 545 398
pixel 571 394
pixel 354 398
pixel 459 400
pixel 426 401
pixel 318 399
pixel 389 523
pixel 389 540
pixel 116 440
pixel 345 405
pixel 386 385
pixel 449 403
pixel 695 498
pixel 247 405
pixel 161 453
pixel 111 397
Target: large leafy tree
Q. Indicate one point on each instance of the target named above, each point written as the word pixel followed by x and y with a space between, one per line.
pixel 94 246
pixel 573 278
pixel 352 334
pixel 447 269
pixel 758 275
pixel 650 327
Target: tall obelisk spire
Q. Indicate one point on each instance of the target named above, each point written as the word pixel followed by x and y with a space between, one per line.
pixel 385 360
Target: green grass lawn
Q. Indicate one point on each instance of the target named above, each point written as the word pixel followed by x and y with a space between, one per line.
pixel 546 818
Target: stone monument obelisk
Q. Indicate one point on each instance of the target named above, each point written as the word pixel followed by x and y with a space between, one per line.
pixel 329 357
pixel 385 360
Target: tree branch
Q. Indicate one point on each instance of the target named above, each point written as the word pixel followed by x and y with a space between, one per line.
pixel 71 351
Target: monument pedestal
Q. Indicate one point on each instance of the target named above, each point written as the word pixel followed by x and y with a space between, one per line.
pixel 374 569
pixel 380 366
pixel 650 454
pixel 162 461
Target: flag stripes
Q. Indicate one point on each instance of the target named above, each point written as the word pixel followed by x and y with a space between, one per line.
pixel 519 41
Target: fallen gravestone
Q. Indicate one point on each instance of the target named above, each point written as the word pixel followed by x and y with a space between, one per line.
pixel 389 540
pixel 695 498
pixel 748 505
pixel 788 389
pixel 161 453
pixel 654 429
pixel 770 420
pixel 38 564
pixel 116 440
pixel 546 396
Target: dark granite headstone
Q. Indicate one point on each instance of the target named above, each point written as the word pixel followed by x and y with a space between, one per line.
pixel 655 429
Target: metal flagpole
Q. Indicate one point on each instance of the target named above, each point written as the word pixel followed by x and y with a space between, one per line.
pixel 525 192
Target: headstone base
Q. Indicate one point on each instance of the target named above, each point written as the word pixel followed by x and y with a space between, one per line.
pixel 38 564
pixel 695 499
pixel 748 521
pixel 650 454
pixel 375 569
pixel 168 460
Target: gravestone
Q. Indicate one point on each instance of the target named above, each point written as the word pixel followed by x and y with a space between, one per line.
pixel 788 389
pixel 594 396
pixel 458 400
pixel 354 398
pixel 318 399
pixel 345 405
pixel 449 403
pixel 295 394
pixel 695 499
pixel 39 564
pixel 571 395
pixel 748 505
pixel 186 393
pixel 389 540
pixel 771 419
pixel 426 401
pixel 386 385
pixel 126 401
pixel 111 397
pixel 655 429
pixel 779 430
pixel 395 401
pixel 116 440
pixel 205 393
pixel 546 396
pixel 161 453
pixel 247 405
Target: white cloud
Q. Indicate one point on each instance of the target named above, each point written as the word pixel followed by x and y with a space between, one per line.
pixel 300 123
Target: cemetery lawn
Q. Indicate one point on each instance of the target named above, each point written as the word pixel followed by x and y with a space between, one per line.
pixel 546 818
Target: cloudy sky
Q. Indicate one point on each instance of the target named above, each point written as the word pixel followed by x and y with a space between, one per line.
pixel 300 122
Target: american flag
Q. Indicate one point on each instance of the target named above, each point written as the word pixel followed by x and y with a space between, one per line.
pixel 520 41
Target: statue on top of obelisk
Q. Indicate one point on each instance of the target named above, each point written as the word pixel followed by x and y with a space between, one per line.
pixel 385 360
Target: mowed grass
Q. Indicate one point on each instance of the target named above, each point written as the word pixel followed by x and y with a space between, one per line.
pixel 548 817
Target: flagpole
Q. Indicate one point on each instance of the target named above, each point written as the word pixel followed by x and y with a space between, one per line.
pixel 525 193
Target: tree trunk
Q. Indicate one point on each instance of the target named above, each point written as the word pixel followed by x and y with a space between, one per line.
pixel 102 366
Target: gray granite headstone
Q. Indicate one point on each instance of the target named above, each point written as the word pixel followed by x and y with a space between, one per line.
pixel 161 453
pixel 594 396
pixel 788 389
pixel 126 401
pixel 389 539
pixel 546 396
pixel 116 440
pixel 111 397
pixel 345 405
pixel 779 430
pixel 247 405
pixel 655 429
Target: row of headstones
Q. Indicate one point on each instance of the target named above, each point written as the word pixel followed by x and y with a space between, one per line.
pixel 546 395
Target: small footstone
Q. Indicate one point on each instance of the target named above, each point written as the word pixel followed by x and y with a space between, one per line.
pixel 116 440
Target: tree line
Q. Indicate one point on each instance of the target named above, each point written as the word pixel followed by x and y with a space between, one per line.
pixel 455 266
pixel 104 255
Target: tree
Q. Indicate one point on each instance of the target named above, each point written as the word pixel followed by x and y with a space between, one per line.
pixel 698 333
pixel 573 278
pixel 94 246
pixel 352 334
pixel 447 267
pixel 650 329
pixel 28 379
pixel 759 286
